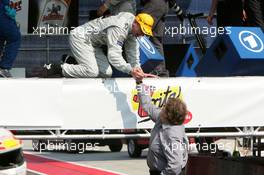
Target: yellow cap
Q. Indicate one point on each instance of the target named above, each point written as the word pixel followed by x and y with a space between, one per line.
pixel 146 23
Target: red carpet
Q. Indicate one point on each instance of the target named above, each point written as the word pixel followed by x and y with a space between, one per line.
pixel 54 167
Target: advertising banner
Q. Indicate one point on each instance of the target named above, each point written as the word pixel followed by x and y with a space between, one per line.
pixel 49 15
pixel 114 104
pixel 53 13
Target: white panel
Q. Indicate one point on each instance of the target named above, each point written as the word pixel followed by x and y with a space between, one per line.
pixel 30 103
pixel 98 103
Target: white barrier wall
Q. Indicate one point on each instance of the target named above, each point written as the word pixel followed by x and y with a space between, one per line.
pixel 30 103
pixel 112 103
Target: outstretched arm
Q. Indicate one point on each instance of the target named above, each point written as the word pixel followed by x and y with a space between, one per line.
pixel 146 101
pixel 115 41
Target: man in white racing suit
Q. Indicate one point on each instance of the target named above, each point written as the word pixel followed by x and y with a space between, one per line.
pixel 115 32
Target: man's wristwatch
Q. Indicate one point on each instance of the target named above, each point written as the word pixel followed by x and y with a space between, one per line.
pixel 139 82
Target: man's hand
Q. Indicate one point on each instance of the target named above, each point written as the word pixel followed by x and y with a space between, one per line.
pixel 137 73
pixel 150 76
pixel 102 9
pixel 11 12
pixel 210 20
pixel 245 17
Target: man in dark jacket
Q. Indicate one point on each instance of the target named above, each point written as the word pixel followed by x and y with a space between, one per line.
pixel 255 12
pixel 158 9
pixel 10 35
pixel 227 15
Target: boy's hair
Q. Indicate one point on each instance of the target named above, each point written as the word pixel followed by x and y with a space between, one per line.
pixel 176 111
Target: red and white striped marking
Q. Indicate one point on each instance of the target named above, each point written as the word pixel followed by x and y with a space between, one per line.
pixel 48 166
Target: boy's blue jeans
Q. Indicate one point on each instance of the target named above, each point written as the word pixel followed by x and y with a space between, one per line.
pixel 10 33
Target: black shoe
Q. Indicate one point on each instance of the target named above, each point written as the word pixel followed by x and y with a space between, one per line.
pixel 68 59
pixel 52 71
pixel 4 73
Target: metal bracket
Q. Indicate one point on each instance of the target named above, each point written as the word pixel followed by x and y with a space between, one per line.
pixel 198 131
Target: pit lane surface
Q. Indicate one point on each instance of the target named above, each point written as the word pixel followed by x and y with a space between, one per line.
pixel 97 162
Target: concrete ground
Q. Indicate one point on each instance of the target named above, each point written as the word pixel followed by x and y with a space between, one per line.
pixel 119 162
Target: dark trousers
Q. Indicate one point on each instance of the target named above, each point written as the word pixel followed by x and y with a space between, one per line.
pixel 160 70
pixel 158 9
pixel 151 172
pixel 10 35
pixel 255 12
pixel 227 15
